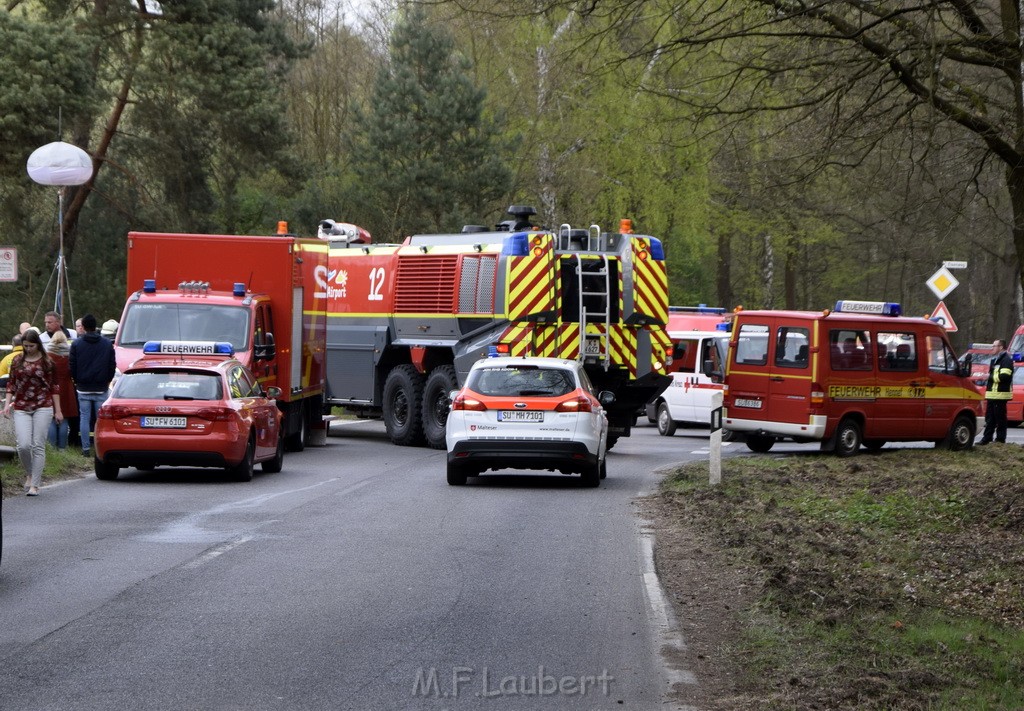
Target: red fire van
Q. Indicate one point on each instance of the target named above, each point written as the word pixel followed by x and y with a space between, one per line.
pixel 858 374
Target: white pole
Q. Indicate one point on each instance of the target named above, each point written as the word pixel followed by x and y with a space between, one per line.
pixel 715 458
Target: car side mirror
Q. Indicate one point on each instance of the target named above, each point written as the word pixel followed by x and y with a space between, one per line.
pixel 606 398
pixel 266 351
pixel 273 392
pixel 708 368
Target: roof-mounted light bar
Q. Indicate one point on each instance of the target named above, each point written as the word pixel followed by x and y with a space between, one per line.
pixel 878 308
pixel 211 348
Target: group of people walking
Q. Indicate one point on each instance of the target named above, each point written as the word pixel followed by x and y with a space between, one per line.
pixel 52 377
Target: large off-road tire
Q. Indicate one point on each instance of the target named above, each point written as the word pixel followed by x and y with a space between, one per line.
pixel 106 472
pixel 403 406
pixel 273 466
pixel 666 425
pixel 960 436
pixel 296 441
pixel 760 443
pixel 436 404
pixel 456 474
pixel 848 438
pixel 244 469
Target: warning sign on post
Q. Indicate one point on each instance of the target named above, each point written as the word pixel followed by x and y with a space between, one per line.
pixel 8 264
pixel 942 317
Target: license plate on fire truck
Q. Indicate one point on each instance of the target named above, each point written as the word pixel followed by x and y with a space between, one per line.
pixel 756 404
pixel 520 415
pixel 592 346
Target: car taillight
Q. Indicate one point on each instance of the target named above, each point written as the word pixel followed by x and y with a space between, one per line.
pixel 216 414
pixel 580 403
pixel 462 402
pixel 817 394
pixel 114 412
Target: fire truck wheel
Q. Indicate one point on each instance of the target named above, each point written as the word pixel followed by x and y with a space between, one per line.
pixel 760 443
pixel 106 472
pixel 848 438
pixel 436 404
pixel 612 439
pixel 730 436
pixel 456 475
pixel 243 470
pixel 273 466
pixel 666 426
pixel 296 441
pixel 960 435
pixel 403 406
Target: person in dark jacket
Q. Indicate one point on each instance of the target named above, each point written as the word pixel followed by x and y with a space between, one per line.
pixel 998 392
pixel 92 368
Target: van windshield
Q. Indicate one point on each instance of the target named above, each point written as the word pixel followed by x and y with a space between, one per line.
pixel 184 322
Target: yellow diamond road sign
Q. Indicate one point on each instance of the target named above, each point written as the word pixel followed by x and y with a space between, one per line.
pixel 942 283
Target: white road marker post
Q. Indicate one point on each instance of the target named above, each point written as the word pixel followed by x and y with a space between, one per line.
pixel 715 458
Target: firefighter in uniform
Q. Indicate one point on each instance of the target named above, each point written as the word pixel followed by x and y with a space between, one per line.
pixel 998 392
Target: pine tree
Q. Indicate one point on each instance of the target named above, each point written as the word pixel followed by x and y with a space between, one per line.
pixel 425 144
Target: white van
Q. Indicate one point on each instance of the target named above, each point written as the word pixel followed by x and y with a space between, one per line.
pixel 699 336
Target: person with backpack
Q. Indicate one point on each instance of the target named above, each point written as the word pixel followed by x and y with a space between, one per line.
pixel 92 368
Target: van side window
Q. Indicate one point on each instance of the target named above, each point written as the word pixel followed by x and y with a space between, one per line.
pixel 684 356
pixel 900 351
pixel 940 356
pixel 752 344
pixel 850 349
pixel 791 347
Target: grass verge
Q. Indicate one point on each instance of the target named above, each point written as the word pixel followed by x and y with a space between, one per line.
pixel 885 581
pixel 60 464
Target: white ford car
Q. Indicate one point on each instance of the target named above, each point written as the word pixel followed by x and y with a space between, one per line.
pixel 528 413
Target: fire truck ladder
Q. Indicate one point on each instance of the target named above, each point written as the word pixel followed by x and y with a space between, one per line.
pixel 602 341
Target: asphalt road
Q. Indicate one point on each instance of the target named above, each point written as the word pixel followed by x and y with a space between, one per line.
pixel 355 579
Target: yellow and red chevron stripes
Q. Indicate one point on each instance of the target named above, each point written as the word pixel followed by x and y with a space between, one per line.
pixel 650 282
pixel 531 340
pixel 661 347
pixel 531 279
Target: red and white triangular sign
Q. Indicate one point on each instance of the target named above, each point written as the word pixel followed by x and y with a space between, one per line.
pixel 941 314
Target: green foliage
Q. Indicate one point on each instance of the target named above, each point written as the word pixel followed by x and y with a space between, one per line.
pixel 46 71
pixel 426 157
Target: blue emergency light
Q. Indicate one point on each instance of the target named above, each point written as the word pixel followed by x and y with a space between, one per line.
pixel 878 308
pixel 238 289
pixel 149 286
pixel 724 326
pixel 492 351
pixel 208 348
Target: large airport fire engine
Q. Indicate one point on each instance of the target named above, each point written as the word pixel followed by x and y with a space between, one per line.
pixel 405 322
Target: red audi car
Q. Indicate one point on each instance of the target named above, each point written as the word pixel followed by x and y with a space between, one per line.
pixel 189 404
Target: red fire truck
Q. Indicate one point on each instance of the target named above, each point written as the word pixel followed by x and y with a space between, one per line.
pixel 264 295
pixel 405 322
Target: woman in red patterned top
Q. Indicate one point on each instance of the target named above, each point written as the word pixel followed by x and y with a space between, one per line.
pixel 33 393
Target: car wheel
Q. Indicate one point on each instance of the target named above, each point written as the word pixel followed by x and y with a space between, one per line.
pixel 273 466
pixel 403 404
pixel 106 472
pixel 760 443
pixel 848 438
pixel 436 404
pixel 456 475
pixel 730 436
pixel 666 426
pixel 604 468
pixel 960 435
pixel 244 469
pixel 874 445
pixel 296 441
pixel 592 475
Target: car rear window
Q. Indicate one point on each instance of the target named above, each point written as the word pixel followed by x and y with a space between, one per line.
pixel 169 385
pixel 521 381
